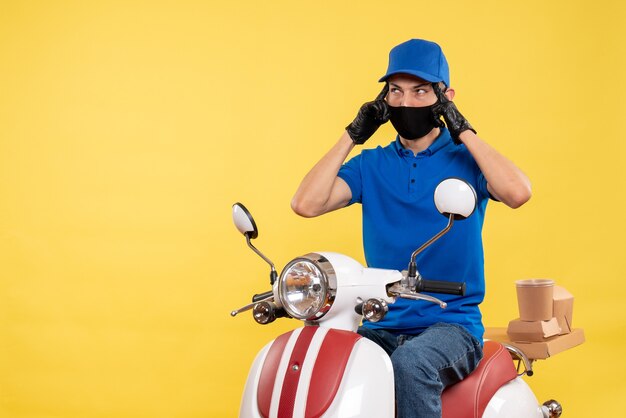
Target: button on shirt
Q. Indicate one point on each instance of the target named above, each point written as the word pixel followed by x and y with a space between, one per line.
pixel 395 188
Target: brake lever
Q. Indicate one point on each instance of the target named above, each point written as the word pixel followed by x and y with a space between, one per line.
pixel 251 305
pixel 402 292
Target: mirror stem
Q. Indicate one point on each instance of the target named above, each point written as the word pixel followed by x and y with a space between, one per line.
pixel 273 273
pixel 412 267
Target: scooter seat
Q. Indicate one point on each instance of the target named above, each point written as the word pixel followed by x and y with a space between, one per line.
pixel 469 398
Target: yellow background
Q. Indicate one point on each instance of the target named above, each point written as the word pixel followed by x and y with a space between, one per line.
pixel 128 129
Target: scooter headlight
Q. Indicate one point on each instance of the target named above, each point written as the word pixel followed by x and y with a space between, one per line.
pixel 307 287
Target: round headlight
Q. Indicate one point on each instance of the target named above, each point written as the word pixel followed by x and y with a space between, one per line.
pixel 307 287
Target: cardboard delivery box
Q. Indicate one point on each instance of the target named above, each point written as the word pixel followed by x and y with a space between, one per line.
pixel 540 349
pixel 519 330
pixel 563 308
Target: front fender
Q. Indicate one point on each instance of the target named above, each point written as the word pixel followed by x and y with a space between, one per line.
pixel 316 371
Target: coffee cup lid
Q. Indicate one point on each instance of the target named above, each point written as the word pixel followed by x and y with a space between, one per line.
pixel 534 283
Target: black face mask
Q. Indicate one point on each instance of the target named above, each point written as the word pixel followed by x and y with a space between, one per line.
pixel 413 122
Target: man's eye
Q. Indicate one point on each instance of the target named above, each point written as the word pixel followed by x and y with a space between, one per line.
pixel 421 91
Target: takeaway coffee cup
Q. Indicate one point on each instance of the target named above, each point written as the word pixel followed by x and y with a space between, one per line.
pixel 534 298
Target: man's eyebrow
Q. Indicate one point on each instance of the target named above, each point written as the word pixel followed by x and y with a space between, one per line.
pixel 419 86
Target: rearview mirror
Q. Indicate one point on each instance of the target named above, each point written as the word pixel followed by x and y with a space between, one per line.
pixel 246 225
pixel 244 221
pixel 455 197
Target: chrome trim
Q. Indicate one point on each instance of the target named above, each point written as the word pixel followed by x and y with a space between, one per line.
pixel 264 312
pixel 260 254
pixel 330 283
pixel 375 309
pixel 551 409
pixel 435 238
pixel 519 354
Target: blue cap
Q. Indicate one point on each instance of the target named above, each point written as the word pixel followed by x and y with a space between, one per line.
pixel 423 59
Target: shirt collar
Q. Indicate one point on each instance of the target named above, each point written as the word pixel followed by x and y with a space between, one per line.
pixel 443 140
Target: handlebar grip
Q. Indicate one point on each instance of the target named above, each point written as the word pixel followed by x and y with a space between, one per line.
pixel 439 286
pixel 261 296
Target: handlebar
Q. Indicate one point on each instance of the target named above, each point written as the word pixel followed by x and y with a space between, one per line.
pixel 438 286
pixel 260 296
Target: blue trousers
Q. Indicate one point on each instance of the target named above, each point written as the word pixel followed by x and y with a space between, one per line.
pixel 425 364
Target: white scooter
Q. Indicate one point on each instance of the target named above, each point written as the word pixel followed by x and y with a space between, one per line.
pixel 325 369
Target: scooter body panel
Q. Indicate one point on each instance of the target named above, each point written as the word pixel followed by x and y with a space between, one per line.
pixel 249 407
pixel 513 400
pixel 354 281
pixel 365 387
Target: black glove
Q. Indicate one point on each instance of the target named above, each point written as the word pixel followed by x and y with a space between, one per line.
pixel 370 117
pixel 455 121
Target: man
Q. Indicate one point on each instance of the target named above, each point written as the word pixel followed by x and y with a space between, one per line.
pixel 430 347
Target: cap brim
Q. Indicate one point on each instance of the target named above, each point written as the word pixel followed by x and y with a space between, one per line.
pixel 424 76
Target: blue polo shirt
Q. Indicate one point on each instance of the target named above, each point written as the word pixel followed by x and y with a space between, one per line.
pixel 396 188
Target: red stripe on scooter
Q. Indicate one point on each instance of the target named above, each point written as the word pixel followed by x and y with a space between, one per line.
pixel 292 375
pixel 328 370
pixel 268 374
